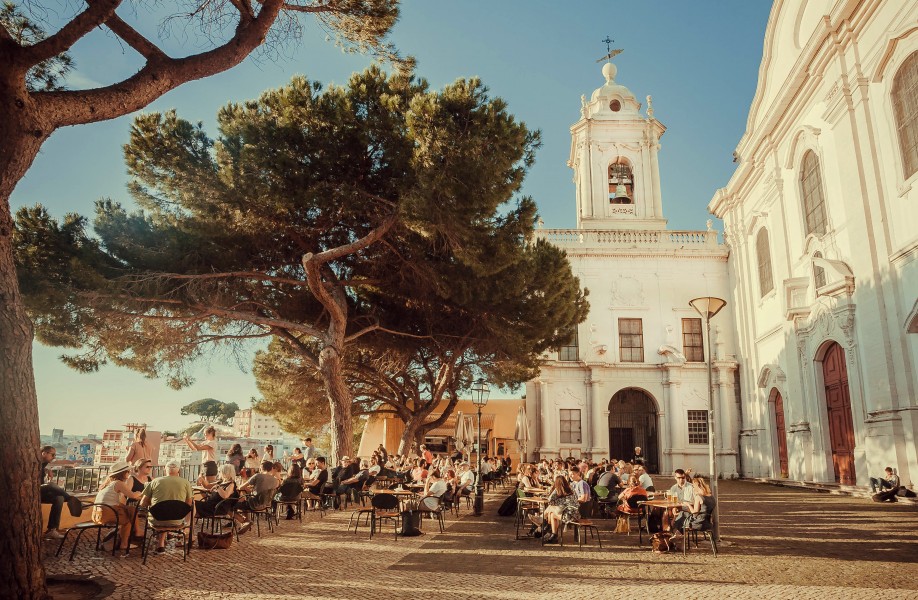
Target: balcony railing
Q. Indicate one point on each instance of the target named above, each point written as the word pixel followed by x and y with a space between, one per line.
pixel 86 480
pixel 628 238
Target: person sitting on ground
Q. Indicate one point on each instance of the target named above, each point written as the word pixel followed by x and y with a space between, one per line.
pixel 208 449
pixel 169 487
pixel 890 482
pixel 112 493
pixel 224 488
pixel 629 497
pixel 644 478
pixel 55 495
pixel 291 488
pixel 252 464
pixel 699 510
pixel 562 507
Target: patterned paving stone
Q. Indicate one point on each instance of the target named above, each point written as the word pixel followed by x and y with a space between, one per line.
pixel 779 543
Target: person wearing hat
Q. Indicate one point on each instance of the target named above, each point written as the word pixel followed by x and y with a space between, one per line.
pixel 113 494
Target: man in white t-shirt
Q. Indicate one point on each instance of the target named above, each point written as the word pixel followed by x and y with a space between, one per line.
pixel 466 478
pixel 208 450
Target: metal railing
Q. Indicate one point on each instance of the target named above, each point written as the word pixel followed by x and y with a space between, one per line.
pixel 87 480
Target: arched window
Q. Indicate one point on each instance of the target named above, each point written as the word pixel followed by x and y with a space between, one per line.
pixel 905 107
pixel 621 183
pixel 819 274
pixel 814 206
pixel 763 253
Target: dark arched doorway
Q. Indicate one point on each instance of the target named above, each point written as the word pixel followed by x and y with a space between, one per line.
pixel 633 422
pixel 780 433
pixel 838 411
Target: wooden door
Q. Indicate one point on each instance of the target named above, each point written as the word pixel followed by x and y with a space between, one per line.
pixel 781 432
pixel 841 422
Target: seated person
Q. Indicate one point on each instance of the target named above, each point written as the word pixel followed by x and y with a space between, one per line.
pixel 644 478
pixel 171 486
pixel 354 484
pixel 696 513
pixel 581 490
pixel 277 470
pixel 435 486
pixel 562 507
pixel 889 482
pixel 529 480
pixel 683 491
pixel 55 495
pixel 629 497
pixel 609 480
pixel 261 485
pixel 223 489
pixel 111 493
pixel 316 483
pixel 375 467
pixel 291 488
pixel 466 479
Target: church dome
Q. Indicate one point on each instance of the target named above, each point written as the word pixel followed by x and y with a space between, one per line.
pixel 613 99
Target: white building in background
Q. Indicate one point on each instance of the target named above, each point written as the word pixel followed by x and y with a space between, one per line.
pixel 821 217
pixel 249 423
pixel 635 375
pixel 115 444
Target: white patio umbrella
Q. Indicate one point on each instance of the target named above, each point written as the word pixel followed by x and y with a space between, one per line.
pixel 522 431
pixel 459 435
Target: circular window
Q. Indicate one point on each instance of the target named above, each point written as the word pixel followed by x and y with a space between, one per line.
pixel 615 105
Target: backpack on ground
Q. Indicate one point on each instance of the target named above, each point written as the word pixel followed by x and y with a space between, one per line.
pixel 662 542
pixel 508 507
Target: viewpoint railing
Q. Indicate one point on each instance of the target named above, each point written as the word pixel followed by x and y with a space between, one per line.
pixel 86 480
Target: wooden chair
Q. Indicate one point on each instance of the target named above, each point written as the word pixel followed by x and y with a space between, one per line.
pixel 83 527
pixel 169 510
pixel 580 528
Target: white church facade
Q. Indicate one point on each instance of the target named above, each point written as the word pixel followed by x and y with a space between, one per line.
pixel 636 374
pixel 821 219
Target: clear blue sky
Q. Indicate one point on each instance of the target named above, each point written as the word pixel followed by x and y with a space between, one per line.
pixel 699 61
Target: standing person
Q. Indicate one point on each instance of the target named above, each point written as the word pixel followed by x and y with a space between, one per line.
pixel 112 494
pixel 236 458
pixel 384 454
pixel 298 458
pixel 139 449
pixel 427 455
pixel 638 456
pixel 55 495
pixel 208 450
pixel 309 451
pixel 171 486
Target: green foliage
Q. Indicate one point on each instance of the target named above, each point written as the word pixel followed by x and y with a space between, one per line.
pixel 212 410
pixel 47 75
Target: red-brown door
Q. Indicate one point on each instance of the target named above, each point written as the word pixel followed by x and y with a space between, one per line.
pixel 782 434
pixel 841 423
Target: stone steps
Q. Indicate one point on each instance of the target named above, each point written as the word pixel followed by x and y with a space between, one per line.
pixel 826 488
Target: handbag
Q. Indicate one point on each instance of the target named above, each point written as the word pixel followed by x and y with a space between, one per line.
pixel 622 525
pixel 215 541
pixel 662 542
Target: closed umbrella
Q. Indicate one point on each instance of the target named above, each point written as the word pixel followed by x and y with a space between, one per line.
pixel 469 432
pixel 459 436
pixel 522 431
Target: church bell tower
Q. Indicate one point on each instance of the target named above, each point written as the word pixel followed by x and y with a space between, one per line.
pixel 614 157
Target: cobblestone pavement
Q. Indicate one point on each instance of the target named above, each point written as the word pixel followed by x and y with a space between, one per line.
pixel 779 543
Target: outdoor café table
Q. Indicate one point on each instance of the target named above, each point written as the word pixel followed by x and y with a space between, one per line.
pixel 524 504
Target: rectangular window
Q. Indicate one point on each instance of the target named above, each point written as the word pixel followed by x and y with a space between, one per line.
pixel 692 341
pixel 570 351
pixel 570 425
pixel 631 340
pixel 697 427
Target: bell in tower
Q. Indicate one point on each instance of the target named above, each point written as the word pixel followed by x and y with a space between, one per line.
pixel 621 183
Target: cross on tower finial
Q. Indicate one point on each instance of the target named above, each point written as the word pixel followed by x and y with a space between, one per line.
pixel 610 53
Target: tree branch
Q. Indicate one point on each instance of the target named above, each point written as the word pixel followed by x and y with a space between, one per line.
pixel 142 45
pixel 157 77
pixel 97 12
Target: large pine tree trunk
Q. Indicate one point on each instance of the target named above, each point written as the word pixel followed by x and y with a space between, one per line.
pixel 339 399
pixel 21 572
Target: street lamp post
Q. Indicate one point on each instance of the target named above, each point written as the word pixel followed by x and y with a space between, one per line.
pixel 707 307
pixel 480 393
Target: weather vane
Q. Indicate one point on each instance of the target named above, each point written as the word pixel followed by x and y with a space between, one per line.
pixel 610 52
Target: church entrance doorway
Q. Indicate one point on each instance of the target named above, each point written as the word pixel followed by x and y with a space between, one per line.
pixel 633 422
pixel 781 433
pixel 838 411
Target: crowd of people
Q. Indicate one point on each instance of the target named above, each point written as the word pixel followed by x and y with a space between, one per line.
pixel 577 488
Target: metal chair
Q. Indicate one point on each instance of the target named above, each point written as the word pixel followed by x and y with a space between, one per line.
pixel 256 507
pixel 85 526
pixel 290 494
pixel 433 507
pixel 225 510
pixel 637 511
pixel 385 507
pixel 706 528
pixel 169 510
pixel 579 528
